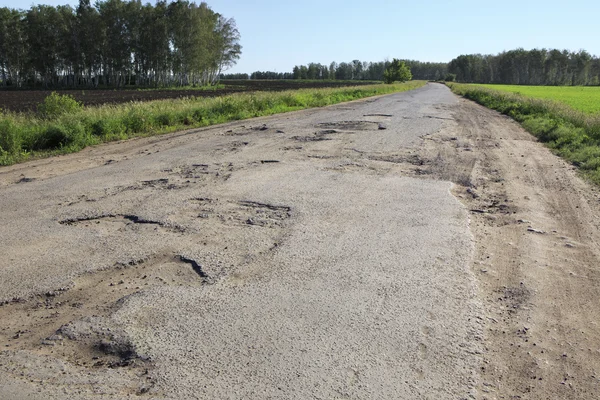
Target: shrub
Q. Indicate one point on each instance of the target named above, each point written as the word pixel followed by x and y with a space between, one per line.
pixel 107 127
pixel 166 118
pixel 138 120
pixel 56 105
pixel 450 78
pixel 53 137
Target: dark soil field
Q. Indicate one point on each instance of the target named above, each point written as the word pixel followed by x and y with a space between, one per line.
pixel 27 100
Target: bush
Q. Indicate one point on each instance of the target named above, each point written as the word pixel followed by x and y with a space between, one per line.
pixel 138 120
pixel 107 127
pixel 53 137
pixel 56 105
pixel 166 118
pixel 450 78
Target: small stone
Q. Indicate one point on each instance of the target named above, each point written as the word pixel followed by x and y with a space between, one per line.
pixel 473 193
pixel 530 229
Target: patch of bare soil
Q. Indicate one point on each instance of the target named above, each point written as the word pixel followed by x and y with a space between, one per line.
pixel 535 224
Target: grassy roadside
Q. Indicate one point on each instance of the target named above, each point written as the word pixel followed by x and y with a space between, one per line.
pixel 582 98
pixel 64 126
pixel 572 134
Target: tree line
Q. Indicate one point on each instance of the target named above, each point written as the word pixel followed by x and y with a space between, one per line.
pixel 116 43
pixel 517 67
pixel 363 70
pixel 354 70
pixel 534 67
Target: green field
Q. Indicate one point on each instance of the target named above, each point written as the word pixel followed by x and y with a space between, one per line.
pixel 583 98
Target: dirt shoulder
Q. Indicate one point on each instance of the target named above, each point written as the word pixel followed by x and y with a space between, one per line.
pixel 535 224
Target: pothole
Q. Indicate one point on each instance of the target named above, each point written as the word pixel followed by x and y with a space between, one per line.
pixel 118 222
pixel 72 323
pixel 413 159
pixel 202 172
pixel 314 138
pixel 350 125
pixel 243 212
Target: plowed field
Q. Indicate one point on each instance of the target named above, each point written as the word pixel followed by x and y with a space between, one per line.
pixel 27 100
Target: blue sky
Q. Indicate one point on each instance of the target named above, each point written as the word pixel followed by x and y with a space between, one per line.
pixel 276 35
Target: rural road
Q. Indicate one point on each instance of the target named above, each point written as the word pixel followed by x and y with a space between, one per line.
pixel 410 246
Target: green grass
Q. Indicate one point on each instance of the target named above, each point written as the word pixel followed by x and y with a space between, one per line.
pixel 571 133
pixel 582 98
pixel 25 136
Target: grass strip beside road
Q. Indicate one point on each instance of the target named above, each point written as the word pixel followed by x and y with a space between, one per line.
pixel 570 133
pixel 68 127
pixel 582 98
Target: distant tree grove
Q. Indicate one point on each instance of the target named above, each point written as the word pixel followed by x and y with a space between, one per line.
pixel 516 67
pixel 355 70
pixel 116 43
pixel 529 67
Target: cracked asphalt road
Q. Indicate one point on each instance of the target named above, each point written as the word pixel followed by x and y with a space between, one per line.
pixel 322 254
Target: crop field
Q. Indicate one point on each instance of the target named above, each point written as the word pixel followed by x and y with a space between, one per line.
pixel 582 98
pixel 28 100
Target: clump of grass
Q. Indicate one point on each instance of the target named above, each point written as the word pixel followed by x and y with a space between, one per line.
pixel 570 133
pixel 64 126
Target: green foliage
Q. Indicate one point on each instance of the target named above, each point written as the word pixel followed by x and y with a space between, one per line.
pixel 583 98
pixel 356 70
pixel 109 127
pixel 529 67
pixel 10 140
pixel 56 105
pixel 137 119
pixel 450 78
pixel 397 71
pixel 116 43
pixel 572 134
pixel 69 131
